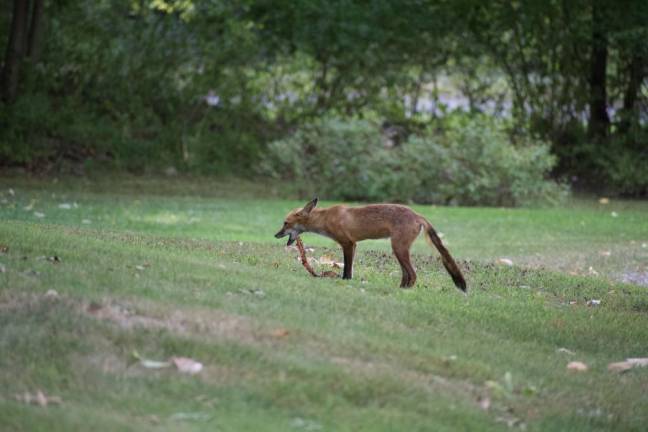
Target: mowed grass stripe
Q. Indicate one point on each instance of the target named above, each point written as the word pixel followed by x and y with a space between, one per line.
pixel 356 355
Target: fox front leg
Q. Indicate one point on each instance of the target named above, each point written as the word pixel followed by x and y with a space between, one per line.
pixel 349 252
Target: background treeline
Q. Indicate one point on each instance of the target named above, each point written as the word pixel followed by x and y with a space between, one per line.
pixel 461 101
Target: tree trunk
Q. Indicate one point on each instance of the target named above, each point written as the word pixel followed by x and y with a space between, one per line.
pixel 599 121
pixel 15 50
pixel 35 31
pixel 629 113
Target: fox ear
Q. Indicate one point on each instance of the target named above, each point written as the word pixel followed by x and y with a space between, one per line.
pixel 310 206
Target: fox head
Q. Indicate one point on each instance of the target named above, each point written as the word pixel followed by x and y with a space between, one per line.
pixel 296 222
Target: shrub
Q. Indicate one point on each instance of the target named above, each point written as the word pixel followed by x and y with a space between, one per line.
pixel 336 158
pixel 623 164
pixel 475 163
pixel 471 163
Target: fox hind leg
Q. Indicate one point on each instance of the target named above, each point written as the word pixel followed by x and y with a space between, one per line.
pixel 409 274
pixel 401 243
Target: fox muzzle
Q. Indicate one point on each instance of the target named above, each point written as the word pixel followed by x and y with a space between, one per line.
pixel 292 233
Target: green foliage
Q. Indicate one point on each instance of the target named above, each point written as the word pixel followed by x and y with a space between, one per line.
pixel 475 163
pixel 335 156
pixel 25 125
pixel 472 162
pixel 124 81
pixel 623 164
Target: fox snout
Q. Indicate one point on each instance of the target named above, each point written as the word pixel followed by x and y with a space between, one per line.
pixel 292 233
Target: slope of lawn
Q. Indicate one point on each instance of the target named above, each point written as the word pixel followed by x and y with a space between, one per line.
pixel 98 274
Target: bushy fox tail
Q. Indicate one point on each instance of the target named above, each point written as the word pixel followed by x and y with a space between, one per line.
pixel 448 262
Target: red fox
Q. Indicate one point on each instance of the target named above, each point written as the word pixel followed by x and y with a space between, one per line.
pixel 349 225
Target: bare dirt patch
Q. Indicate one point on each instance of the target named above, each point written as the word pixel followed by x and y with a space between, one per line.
pixel 185 322
pixel 635 277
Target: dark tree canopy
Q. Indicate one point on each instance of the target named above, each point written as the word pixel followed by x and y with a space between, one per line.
pixel 206 85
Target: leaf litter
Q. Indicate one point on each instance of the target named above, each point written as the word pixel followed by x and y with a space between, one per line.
pixel 184 365
pixel 628 364
pixel 577 366
pixel 39 398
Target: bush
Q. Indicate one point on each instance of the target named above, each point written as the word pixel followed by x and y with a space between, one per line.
pixel 332 157
pixel 472 162
pixel 623 164
pixel 475 163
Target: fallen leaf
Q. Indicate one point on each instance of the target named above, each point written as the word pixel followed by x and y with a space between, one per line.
pixel 4 249
pixel 604 201
pixel 620 366
pixel 149 364
pixel 628 364
pixel 51 294
pixel 508 382
pixel 505 261
pixel 280 332
pixel 308 425
pixel 641 362
pixel 326 260
pixel 30 206
pixel 39 398
pixel 154 364
pixel 190 416
pixel 511 421
pixel 485 403
pixel 187 365
pixel 577 366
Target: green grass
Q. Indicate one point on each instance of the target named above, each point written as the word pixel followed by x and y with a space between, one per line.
pixel 181 267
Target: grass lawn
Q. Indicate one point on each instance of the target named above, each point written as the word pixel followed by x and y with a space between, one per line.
pixel 155 268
